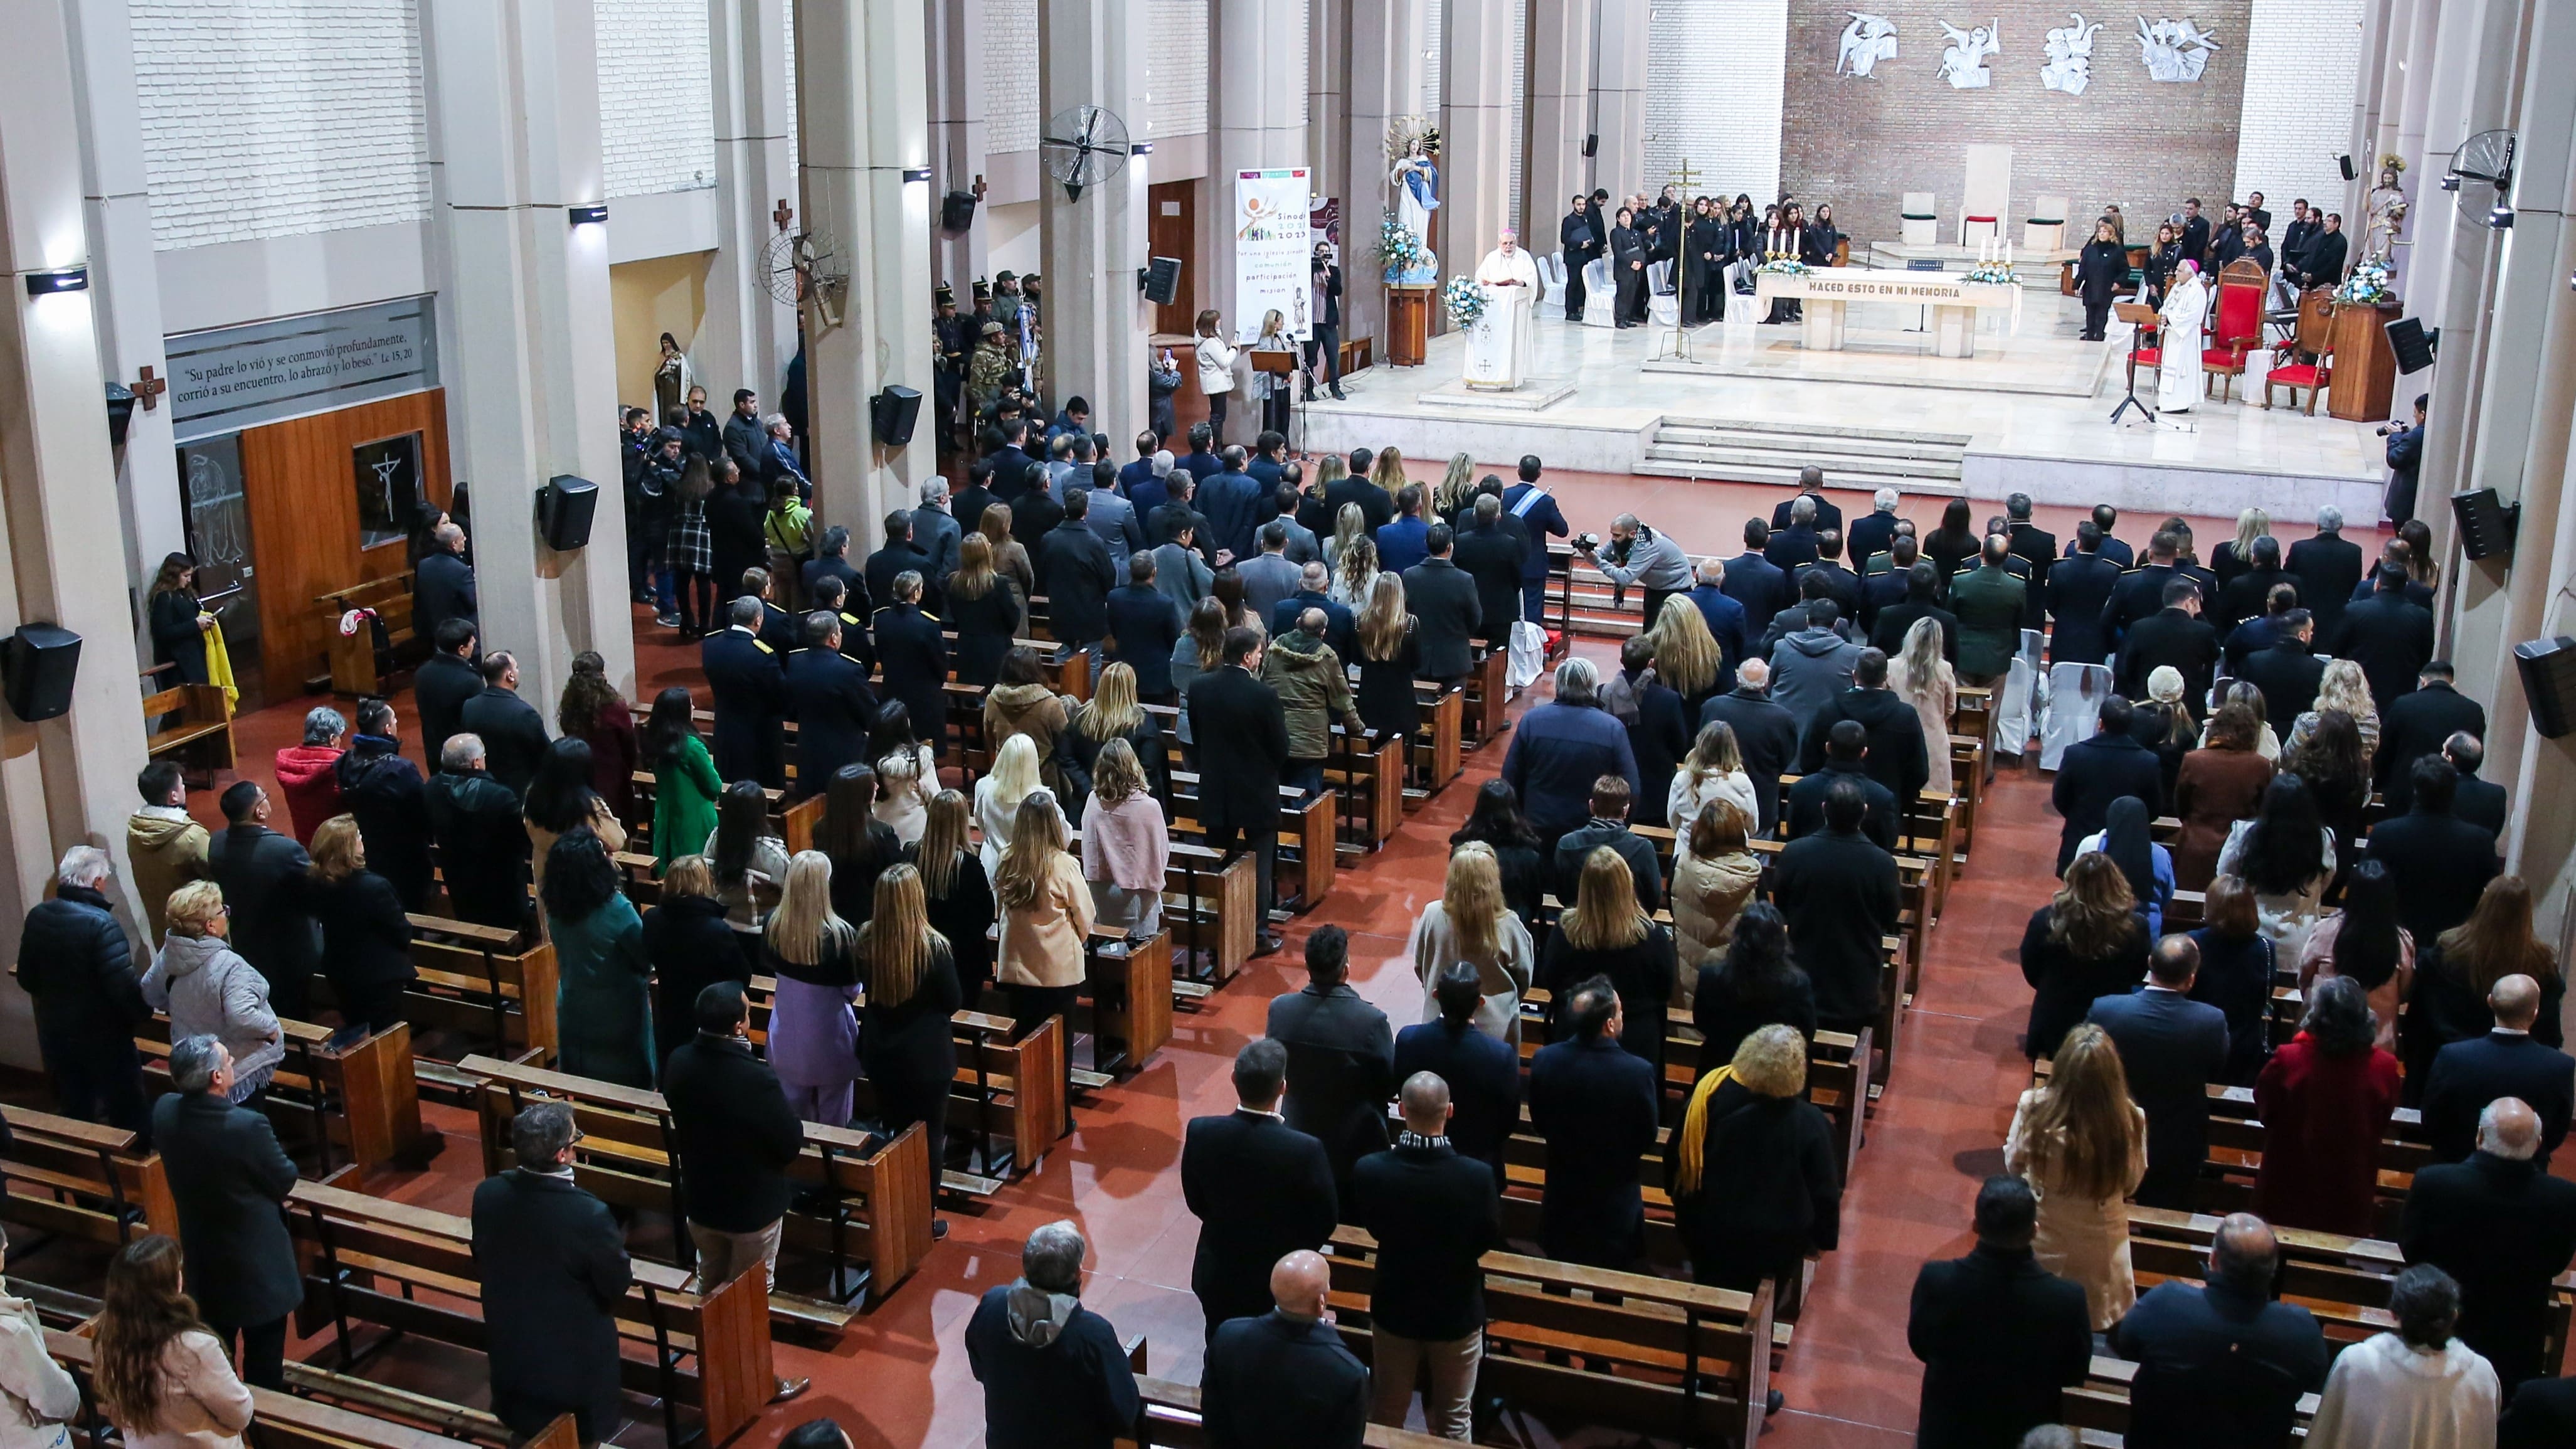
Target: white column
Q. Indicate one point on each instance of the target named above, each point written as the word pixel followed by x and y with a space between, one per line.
pixel 1560 113
pixel 70 779
pixel 1475 130
pixel 514 126
pixel 1254 107
pixel 1328 101
pixel 1385 82
pixel 1619 99
pixel 862 85
pixel 1096 318
pixel 749 335
pixel 956 35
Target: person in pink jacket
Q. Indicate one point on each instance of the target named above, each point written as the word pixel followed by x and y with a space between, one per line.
pixel 1125 844
pixel 161 1376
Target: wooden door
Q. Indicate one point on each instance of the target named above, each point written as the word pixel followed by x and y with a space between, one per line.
pixel 1172 230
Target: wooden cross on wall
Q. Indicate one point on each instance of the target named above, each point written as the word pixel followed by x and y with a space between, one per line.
pixel 148 390
pixel 783 215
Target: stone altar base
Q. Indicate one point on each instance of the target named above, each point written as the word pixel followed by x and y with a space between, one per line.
pixel 1890 356
pixel 1533 395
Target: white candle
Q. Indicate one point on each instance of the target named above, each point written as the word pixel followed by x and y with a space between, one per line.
pixel 2007 253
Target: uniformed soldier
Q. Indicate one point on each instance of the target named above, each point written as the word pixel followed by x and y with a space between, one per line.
pixel 750 691
pixel 914 658
pixel 1990 601
pixel 829 698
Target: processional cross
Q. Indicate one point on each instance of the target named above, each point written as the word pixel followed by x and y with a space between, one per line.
pixel 1682 175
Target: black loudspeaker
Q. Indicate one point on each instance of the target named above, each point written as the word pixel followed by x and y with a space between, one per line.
pixel 2548 669
pixel 957 210
pixel 39 662
pixel 892 413
pixel 1163 280
pixel 2346 163
pixel 2412 344
pixel 120 411
pixel 1592 145
pixel 2486 523
pixel 564 509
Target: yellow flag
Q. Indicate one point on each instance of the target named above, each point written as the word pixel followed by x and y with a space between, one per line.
pixel 219 664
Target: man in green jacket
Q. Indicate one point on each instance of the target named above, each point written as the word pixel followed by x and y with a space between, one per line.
pixel 1989 602
pixel 1312 688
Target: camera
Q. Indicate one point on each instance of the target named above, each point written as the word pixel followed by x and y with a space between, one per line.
pixel 1587 542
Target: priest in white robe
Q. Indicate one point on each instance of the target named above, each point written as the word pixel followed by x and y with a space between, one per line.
pixel 2178 373
pixel 1498 346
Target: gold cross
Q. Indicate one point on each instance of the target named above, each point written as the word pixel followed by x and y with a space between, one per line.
pixel 1683 175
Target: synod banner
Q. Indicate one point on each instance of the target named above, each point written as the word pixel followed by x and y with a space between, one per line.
pixel 1271 251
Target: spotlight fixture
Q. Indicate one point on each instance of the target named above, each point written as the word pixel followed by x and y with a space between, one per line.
pixel 1141 148
pixel 916 173
pixel 2500 217
pixel 60 279
pixel 588 212
pixel 2451 182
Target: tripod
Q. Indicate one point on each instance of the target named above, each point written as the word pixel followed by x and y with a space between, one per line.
pixel 2141 316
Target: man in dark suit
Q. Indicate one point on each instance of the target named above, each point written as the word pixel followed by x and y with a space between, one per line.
pixel 442 588
pixel 2172 1048
pixel 2221 1361
pixel 2079 587
pixel 834 561
pixel 1766 734
pixel 2104 519
pixel 2441 862
pixel 1076 573
pixel 1376 508
pixel 229 1178
pixel 2506 1062
pixel 2093 773
pixel 902 555
pixel 750 688
pixel 444 681
pixel 2541 1416
pixel 2195 231
pixel 1313 585
pixel 1870 534
pixel 2405 454
pixel 1482 1075
pixel 1242 734
pixel 1793 541
pixel 1811 486
pixel 2482 803
pixel 1920 583
pixel 2267 628
pixel 1283 1379
pixel 2388 635
pixel 1608 826
pixel 1840 584
pixel 1448 604
pixel 2285 671
pixel 1896 755
pixel 1491 557
pixel 2419 723
pixel 746 442
pixel 2328 566
pixel 2029 542
pixel 2176 636
pixel 553 1269
pixel 2505 1229
pixel 2248 594
pixel 1235 503
pixel 482 839
pixel 1341 1056
pixel 2000 1337
pixel 263 878
pixel 1144 624
pixel 1837 889
pixel 827 694
pixel 735 1137
pixel 1435 1212
pixel 84 977
pixel 2141 590
pixel 513 733
pixel 1597 1107
pixel 1260 1189
pixel 1845 761
pixel 1752 580
pixel 1053 1371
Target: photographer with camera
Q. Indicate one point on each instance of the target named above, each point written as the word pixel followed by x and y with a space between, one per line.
pixel 1638 554
pixel 2405 455
pixel 1325 343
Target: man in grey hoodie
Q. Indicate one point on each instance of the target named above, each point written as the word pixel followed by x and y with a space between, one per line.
pixel 1812 666
pixel 1054 1376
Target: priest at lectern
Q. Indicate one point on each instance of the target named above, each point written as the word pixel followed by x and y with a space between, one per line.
pixel 2178 377
pixel 1498 345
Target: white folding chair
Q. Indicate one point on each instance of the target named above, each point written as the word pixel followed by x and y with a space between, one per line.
pixel 1551 280
pixel 2075 695
pixel 1600 295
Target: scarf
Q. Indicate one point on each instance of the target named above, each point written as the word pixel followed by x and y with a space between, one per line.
pixel 1695 1130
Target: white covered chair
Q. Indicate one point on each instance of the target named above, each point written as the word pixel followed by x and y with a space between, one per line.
pixel 2045 229
pixel 1663 304
pixel 1551 279
pixel 1919 225
pixel 1600 297
pixel 2075 695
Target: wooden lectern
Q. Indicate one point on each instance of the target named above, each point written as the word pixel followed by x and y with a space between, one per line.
pixel 1408 324
pixel 2365 367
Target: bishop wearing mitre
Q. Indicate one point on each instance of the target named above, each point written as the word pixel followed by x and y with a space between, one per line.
pixel 1512 274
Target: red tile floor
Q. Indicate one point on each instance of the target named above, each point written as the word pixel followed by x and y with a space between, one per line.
pixel 899 1377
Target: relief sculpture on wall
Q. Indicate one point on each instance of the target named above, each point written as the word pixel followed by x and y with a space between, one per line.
pixel 2070 56
pixel 1868 40
pixel 2174 50
pixel 1963 62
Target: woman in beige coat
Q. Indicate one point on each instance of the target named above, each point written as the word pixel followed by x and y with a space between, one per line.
pixel 1923 679
pixel 1046 916
pixel 1471 923
pixel 161 1376
pixel 1714 875
pixel 2081 1144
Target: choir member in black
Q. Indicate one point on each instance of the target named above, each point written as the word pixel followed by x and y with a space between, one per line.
pixel 1747 240
pixel 2256 247
pixel 2099 270
pixel 1787 238
pixel 1582 243
pixel 1711 248
pixel 179 620
pixel 1668 229
pixel 1628 247
pixel 1822 239
pixel 2162 260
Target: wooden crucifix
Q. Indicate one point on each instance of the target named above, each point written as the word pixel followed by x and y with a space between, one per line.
pixel 783 215
pixel 148 390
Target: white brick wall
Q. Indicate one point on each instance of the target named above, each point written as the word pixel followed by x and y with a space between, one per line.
pixel 1010 43
pixel 2301 63
pixel 270 118
pixel 1713 87
pixel 656 98
pixel 1176 68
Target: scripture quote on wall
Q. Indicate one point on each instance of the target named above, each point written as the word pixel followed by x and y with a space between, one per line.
pixel 236 377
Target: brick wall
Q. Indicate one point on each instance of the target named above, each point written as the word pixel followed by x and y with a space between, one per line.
pixel 1010 45
pixel 270 118
pixel 1860 144
pixel 1176 69
pixel 1713 94
pixel 2301 64
pixel 656 99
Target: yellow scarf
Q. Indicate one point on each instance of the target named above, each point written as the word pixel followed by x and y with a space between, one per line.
pixel 219 665
pixel 1695 1130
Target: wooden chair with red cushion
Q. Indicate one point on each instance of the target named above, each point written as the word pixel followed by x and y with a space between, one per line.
pixel 2235 323
pixel 2314 340
pixel 2149 353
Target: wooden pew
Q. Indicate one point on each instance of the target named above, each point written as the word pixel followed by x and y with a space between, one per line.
pixel 1130 1006
pixel 412 1270
pixel 357 668
pixel 1370 785
pixel 1439 745
pixel 202 732
pixel 82 1180
pixel 2099 1407
pixel 1648 1355
pixel 483 983
pixel 1486 699
pixel 363 1098
pixel 1307 845
pixel 874 1231
pixel 1171 1420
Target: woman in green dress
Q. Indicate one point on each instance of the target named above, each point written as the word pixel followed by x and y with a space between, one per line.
pixel 685 785
pixel 603 1005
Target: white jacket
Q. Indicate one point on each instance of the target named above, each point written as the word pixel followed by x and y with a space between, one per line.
pixel 37 1398
pixel 2385 1395
pixel 1216 365
pixel 208 989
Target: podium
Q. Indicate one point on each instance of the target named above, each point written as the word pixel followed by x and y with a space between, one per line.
pixel 1408 323
pixel 1498 342
pixel 2365 367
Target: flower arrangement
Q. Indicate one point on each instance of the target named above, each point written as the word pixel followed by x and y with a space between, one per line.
pixel 1466 298
pixel 1397 247
pixel 1782 264
pixel 2369 284
pixel 2000 272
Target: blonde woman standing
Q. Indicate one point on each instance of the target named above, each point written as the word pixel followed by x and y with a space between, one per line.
pixel 1046 914
pixel 1712 771
pixel 1714 875
pixel 1356 568
pixel 1388 473
pixel 998 797
pixel 210 990
pixel 1686 654
pixel 1271 389
pixel 905 1042
pixel 1126 846
pixel 1606 933
pixel 1349 522
pixel 1471 923
pixel 1457 489
pixel 2081 1144
pixel 2343 686
pixel 1216 369
pixel 1923 679
pixel 813 1027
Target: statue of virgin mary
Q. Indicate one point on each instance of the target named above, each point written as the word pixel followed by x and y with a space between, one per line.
pixel 1416 178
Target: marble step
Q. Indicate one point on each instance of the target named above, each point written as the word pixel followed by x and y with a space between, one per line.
pixel 1866 464
pixel 1806 429
pixel 1769 473
pixel 1754 440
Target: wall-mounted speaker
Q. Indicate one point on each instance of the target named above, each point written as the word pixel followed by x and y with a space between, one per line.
pixel 2413 345
pixel 2548 668
pixel 2486 523
pixel 1163 281
pixel 564 509
pixel 957 210
pixel 893 413
pixel 2348 173
pixel 120 411
pixel 38 663
pixel 1592 145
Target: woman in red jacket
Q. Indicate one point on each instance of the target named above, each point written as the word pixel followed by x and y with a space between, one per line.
pixel 308 775
pixel 2325 1100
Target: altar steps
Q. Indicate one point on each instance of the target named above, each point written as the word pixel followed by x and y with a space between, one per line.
pixel 1773 452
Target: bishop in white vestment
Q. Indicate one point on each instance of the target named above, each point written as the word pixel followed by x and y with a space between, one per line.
pixel 2178 374
pixel 1498 346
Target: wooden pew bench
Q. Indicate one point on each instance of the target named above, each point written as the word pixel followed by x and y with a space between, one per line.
pixel 1486 701
pixel 482 983
pixel 1370 785
pixel 78 1179
pixel 1439 751
pixel 2099 1407
pixel 873 1233
pixel 362 1100
pixel 358 667
pixel 1171 1420
pixel 1307 845
pixel 411 1270
pixel 193 722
